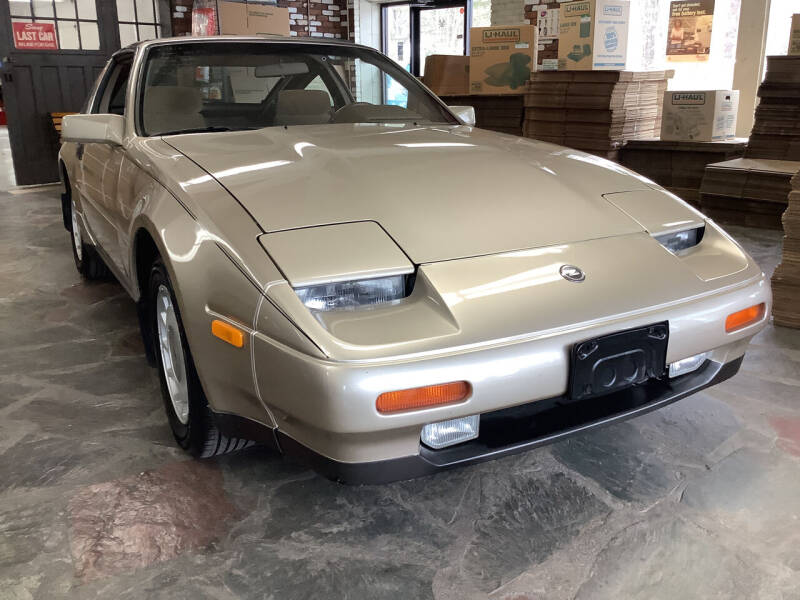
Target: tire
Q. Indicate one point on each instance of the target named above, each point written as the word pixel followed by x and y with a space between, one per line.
pixel 185 403
pixel 87 261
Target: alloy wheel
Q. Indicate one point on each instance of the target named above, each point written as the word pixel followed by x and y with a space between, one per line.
pixel 172 359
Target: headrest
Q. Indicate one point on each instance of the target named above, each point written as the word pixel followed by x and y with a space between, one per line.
pixel 302 107
pixel 170 107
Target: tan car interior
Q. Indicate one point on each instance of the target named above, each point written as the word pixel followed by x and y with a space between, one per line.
pixel 172 107
pixel 302 107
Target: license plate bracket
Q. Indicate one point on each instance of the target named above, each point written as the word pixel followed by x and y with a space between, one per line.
pixel 617 361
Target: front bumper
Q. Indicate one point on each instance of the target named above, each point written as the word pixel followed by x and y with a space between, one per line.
pixel 329 406
pixel 520 428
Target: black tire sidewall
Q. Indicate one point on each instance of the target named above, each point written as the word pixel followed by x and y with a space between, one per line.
pixel 190 436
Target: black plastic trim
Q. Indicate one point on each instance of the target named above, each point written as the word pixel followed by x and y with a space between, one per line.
pixel 556 419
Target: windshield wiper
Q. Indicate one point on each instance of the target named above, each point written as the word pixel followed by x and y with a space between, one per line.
pixel 210 129
pixel 393 119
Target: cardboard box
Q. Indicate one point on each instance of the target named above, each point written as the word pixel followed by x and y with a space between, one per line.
pixel 700 116
pixel 794 37
pixel 593 35
pixel 243 17
pixel 501 59
pixel 544 15
pixel 447 75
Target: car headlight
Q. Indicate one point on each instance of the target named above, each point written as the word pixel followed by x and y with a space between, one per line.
pixel 353 294
pixel 681 240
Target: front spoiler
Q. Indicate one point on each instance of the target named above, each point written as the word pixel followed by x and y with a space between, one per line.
pixel 520 428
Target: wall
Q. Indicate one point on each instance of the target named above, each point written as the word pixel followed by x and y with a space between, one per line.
pixel 508 12
pixel 325 18
pixel 750 61
pixel 181 12
pixel 321 18
pixel 647 40
pixel 367 23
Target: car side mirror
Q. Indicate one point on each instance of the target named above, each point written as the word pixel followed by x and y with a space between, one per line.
pixel 99 129
pixel 465 114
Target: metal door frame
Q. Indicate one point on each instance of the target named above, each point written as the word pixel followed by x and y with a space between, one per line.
pixel 414 25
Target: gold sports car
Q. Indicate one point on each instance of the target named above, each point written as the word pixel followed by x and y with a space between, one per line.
pixel 329 260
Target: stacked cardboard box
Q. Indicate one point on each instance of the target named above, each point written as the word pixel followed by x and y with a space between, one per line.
pixel 252 17
pixel 447 74
pixel 501 59
pixel 545 15
pixel 502 113
pixel 594 111
pixel 747 191
pixel 776 132
pixel 794 37
pixel 786 279
pixel 678 166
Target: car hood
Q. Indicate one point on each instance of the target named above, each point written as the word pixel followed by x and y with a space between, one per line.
pixel 441 192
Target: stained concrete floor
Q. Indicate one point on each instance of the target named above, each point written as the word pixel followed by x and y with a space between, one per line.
pixel 698 500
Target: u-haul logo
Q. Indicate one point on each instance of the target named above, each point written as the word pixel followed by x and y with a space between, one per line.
pixel 684 98
pixel 574 8
pixel 501 35
pixel 612 11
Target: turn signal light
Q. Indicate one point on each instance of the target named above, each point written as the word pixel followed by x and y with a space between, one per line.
pixel 423 397
pixel 745 317
pixel 227 333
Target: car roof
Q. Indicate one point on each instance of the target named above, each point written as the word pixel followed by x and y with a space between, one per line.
pixel 264 38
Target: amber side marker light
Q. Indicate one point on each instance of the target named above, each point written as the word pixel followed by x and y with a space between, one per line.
pixel 227 333
pixel 423 397
pixel 745 317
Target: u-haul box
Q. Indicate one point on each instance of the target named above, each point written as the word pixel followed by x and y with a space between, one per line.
pixel 593 35
pixel 501 59
pixel 700 115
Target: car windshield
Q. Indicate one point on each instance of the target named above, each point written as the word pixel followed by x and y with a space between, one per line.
pixel 225 86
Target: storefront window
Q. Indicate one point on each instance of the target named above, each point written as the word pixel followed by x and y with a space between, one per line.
pixel 138 20
pixel 73 23
pixel 780 25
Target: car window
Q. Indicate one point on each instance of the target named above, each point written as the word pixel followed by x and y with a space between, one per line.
pixel 113 94
pixel 231 84
pixel 318 84
pixel 241 85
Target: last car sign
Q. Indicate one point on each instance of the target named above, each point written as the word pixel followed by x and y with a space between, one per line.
pixel 35 36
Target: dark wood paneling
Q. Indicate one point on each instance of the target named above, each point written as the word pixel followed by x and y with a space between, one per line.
pixel 48 95
pixel 36 83
pixel 75 88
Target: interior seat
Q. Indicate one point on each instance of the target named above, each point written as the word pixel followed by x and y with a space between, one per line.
pixel 302 107
pixel 171 107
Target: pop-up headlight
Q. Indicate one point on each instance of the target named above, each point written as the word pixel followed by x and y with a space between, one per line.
pixel 681 240
pixel 353 294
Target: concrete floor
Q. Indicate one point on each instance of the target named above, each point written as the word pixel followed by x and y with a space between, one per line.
pixel 698 500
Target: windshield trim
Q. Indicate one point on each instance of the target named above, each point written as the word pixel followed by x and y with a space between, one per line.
pixel 335 46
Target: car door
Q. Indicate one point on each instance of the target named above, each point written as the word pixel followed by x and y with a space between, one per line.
pixel 100 166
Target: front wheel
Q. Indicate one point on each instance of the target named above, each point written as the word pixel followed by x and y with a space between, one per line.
pixel 87 261
pixel 184 401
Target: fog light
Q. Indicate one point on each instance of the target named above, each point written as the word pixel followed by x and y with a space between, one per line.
pixel 687 365
pixel 448 433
